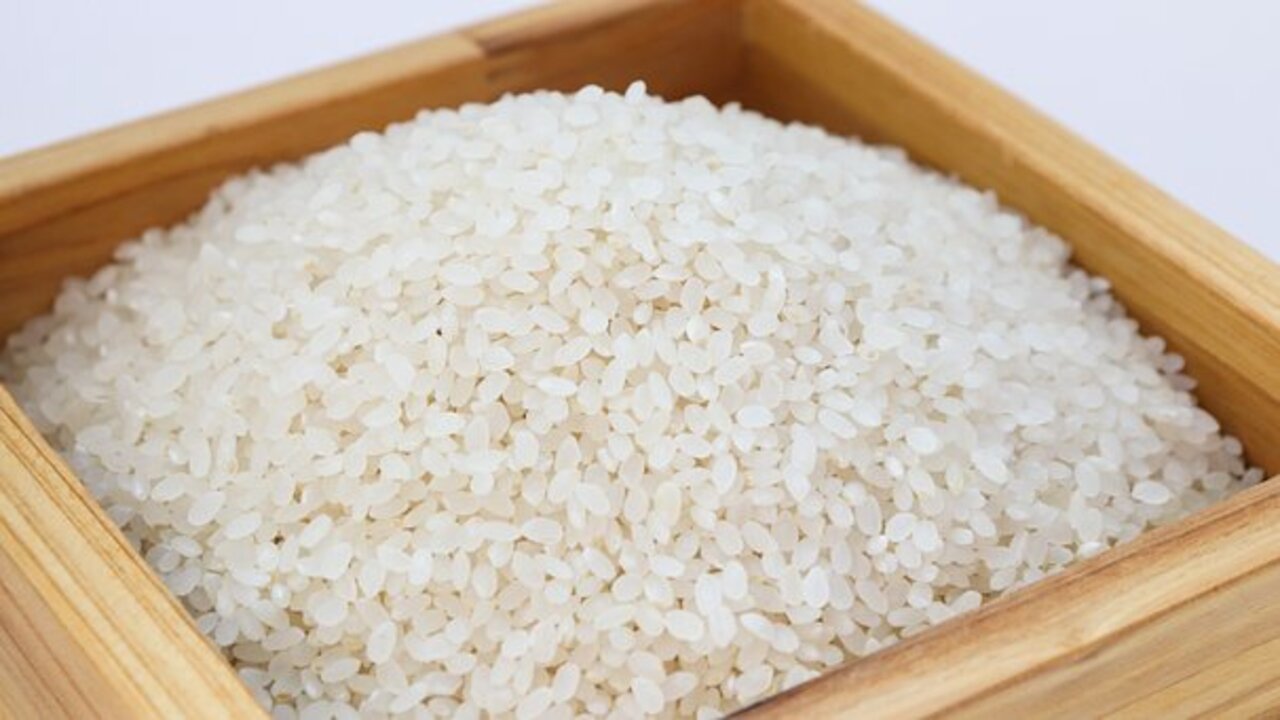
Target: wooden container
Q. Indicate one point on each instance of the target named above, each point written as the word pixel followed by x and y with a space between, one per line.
pixel 1183 621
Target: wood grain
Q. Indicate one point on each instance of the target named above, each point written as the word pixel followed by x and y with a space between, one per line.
pixel 678 47
pixel 86 630
pixel 1216 300
pixel 1233 687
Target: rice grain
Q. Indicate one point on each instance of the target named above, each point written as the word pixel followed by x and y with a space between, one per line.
pixel 597 404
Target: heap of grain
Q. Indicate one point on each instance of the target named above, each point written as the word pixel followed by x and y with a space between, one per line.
pixel 598 404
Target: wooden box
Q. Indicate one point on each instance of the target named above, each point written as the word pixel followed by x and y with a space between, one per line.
pixel 1183 621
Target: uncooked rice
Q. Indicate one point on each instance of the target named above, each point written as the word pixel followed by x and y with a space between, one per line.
pixel 598 404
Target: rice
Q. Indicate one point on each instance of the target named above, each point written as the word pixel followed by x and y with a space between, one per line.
pixel 597 404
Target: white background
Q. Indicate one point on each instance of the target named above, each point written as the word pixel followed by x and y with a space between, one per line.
pixel 1187 92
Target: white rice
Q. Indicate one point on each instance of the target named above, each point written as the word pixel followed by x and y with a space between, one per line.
pixel 598 404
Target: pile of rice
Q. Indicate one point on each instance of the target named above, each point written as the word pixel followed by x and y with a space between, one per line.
pixel 599 404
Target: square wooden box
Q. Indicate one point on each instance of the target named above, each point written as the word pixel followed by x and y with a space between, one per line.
pixel 1183 621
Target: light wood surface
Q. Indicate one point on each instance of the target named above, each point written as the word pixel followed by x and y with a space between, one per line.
pixel 1232 687
pixel 1178 623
